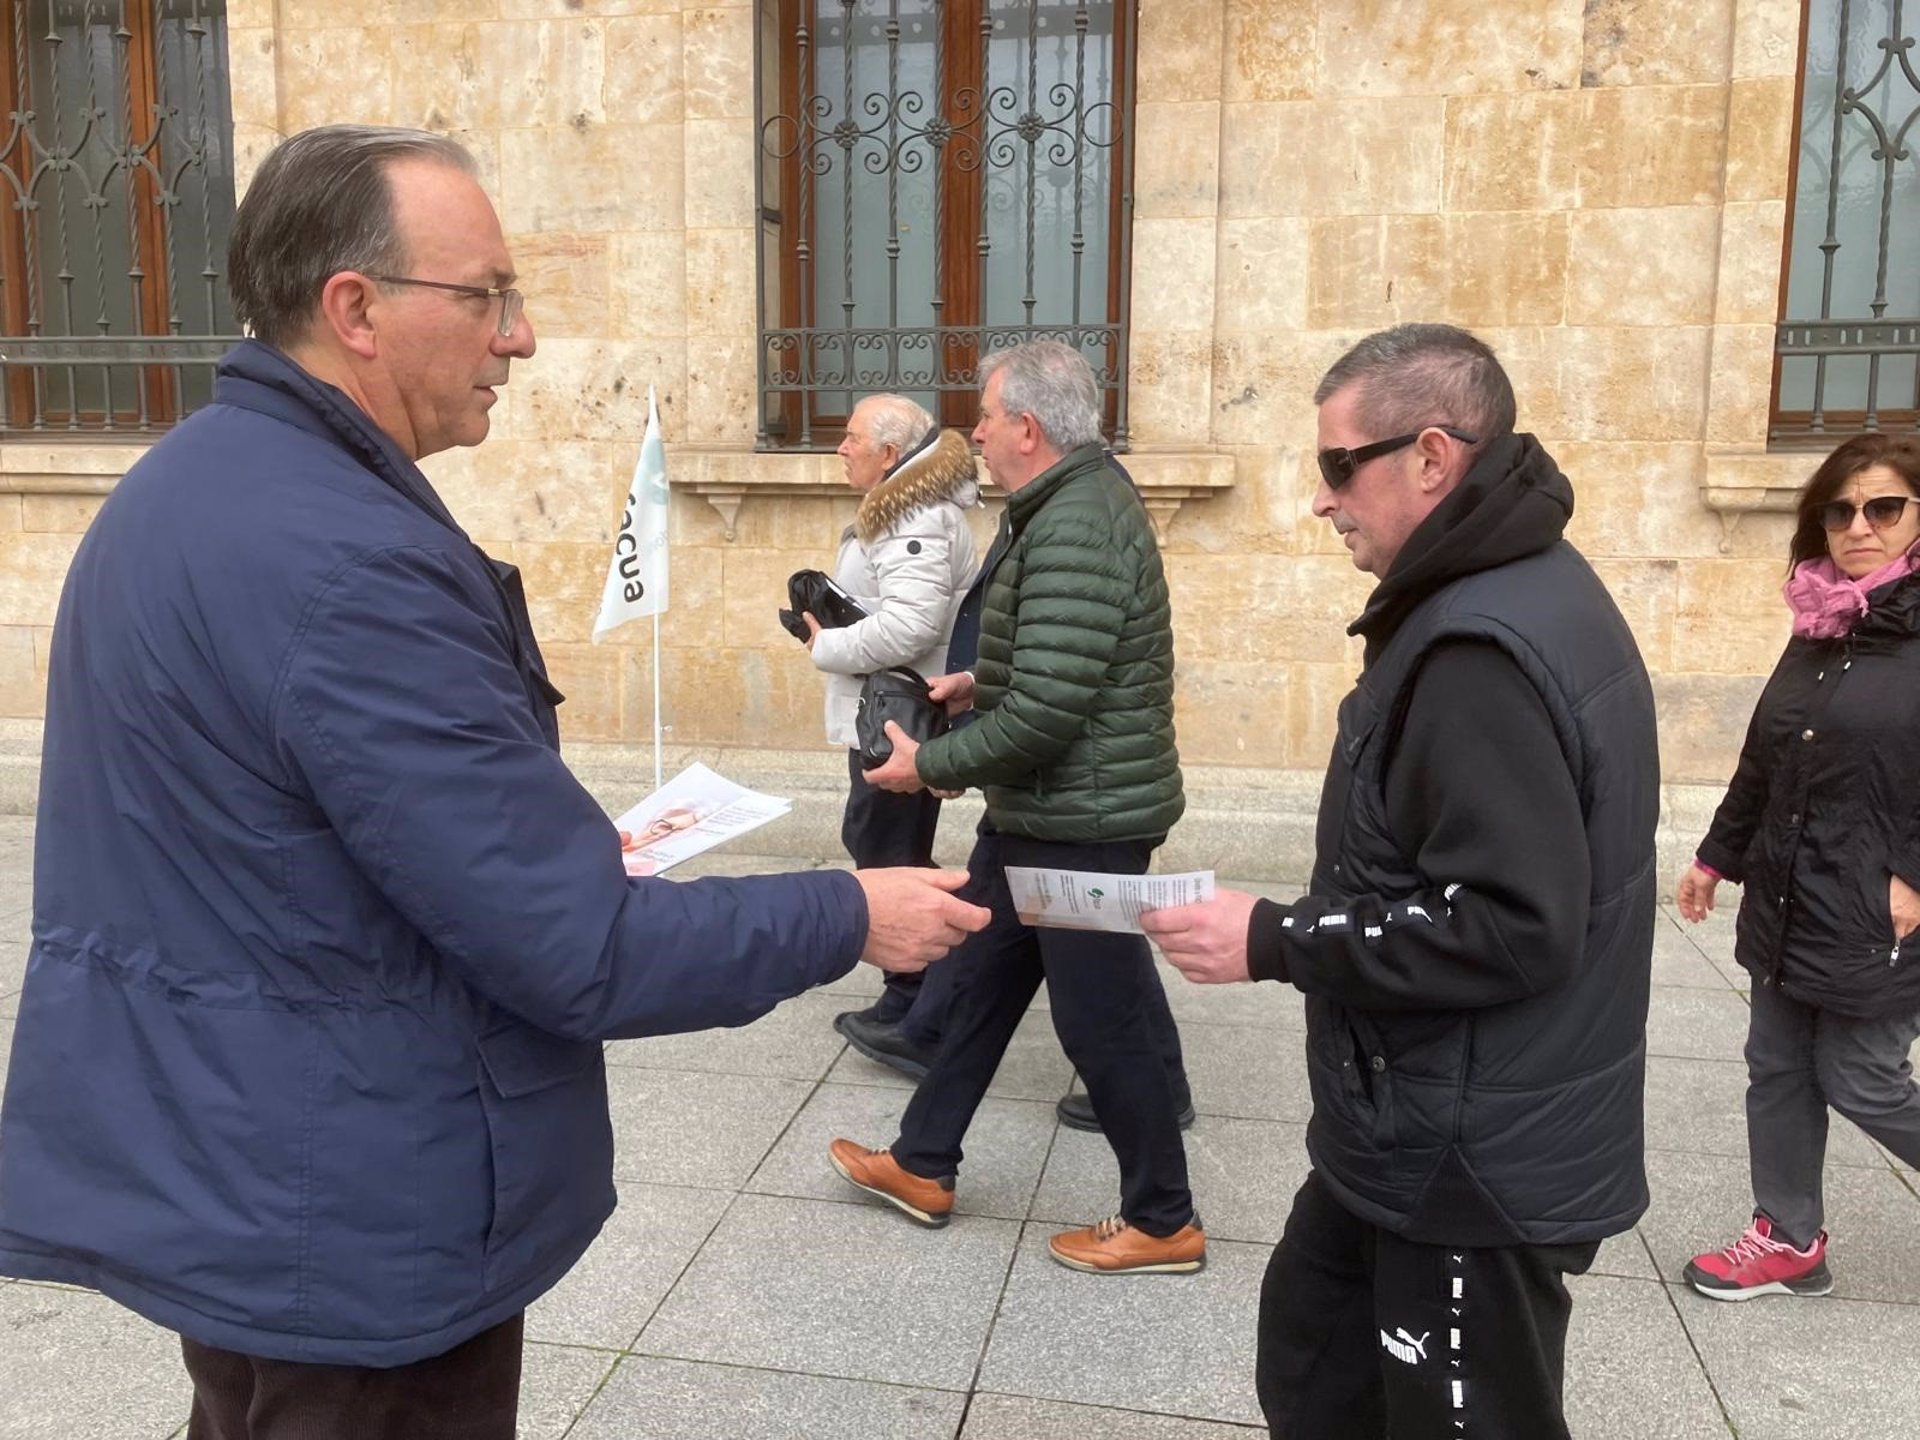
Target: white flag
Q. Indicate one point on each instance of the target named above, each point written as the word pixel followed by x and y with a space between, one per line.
pixel 637 575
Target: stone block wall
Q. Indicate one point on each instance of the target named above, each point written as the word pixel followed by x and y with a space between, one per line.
pixel 1598 186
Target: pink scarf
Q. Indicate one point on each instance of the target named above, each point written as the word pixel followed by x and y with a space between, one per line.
pixel 1826 604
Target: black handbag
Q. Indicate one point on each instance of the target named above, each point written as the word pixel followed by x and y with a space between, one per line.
pixel 899 695
pixel 814 590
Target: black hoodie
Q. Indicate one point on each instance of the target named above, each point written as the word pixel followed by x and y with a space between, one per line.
pixel 1476 948
pixel 1516 847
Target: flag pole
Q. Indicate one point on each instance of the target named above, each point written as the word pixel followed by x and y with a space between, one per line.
pixel 656 700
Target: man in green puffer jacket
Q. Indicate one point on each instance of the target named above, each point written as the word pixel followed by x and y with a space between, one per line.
pixel 1072 741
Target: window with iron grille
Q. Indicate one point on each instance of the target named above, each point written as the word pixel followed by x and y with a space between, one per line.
pixel 118 176
pixel 937 179
pixel 1848 345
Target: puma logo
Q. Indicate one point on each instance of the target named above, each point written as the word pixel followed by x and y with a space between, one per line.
pixel 1403 1347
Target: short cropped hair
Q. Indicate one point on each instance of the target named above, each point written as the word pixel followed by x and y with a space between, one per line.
pixel 319 204
pixel 1418 375
pixel 898 421
pixel 1052 382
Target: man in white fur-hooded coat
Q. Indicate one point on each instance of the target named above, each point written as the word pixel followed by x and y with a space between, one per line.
pixel 907 558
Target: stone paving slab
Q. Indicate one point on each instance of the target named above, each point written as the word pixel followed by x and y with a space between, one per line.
pixel 74 1365
pixel 648 1396
pixel 1630 1370
pixel 1625 1256
pixel 672 1127
pixel 1790 1369
pixel 1678 961
pixel 839 1290
pixel 1254 1073
pixel 1267 1007
pixel 796 1041
pixel 1012 1417
pixel 648 1241
pixel 1170 1344
pixel 1697 1024
pixel 557 1382
pixel 1713 936
pixel 13 965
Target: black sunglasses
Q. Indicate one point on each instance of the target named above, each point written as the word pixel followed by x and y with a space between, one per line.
pixel 1338 464
pixel 1883 512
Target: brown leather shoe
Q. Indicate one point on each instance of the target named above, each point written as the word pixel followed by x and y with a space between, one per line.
pixel 1113 1247
pixel 929 1202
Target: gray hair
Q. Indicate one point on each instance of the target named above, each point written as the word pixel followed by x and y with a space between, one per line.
pixel 319 204
pixel 898 421
pixel 1417 375
pixel 1053 383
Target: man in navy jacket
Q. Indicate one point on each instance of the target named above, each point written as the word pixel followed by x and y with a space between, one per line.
pixel 326 937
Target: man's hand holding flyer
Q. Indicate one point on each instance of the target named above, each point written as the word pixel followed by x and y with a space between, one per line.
pixel 1084 900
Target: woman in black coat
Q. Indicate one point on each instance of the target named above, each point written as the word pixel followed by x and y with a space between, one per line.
pixel 1821 825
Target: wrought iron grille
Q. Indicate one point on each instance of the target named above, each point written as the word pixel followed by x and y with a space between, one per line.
pixel 117 171
pixel 937 179
pixel 1848 344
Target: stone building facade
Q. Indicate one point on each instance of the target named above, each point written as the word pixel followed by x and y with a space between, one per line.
pixel 1599 187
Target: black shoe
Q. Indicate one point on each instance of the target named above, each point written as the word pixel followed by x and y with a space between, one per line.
pixel 1076 1113
pixel 883 1043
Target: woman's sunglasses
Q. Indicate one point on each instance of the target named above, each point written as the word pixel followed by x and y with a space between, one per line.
pixel 1883 512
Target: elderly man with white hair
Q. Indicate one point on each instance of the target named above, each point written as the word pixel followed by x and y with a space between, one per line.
pixel 907 558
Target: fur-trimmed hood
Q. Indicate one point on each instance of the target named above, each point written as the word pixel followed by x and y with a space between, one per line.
pixel 939 468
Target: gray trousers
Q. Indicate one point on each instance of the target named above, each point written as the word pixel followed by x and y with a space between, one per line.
pixel 1800 1060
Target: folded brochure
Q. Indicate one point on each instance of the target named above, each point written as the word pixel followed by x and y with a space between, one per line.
pixel 1087 900
pixel 691 813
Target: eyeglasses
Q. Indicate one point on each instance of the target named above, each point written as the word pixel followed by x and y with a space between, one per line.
pixel 1883 512
pixel 1338 464
pixel 511 301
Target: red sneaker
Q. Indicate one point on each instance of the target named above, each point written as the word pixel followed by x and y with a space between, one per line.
pixel 1758 1264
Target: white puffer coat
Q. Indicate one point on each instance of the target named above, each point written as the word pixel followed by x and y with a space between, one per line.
pixel 908 559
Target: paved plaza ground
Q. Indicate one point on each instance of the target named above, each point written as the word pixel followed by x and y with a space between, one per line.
pixel 743 1292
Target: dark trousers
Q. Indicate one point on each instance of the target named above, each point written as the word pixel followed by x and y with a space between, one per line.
pixel 879 829
pixel 1364 1335
pixel 1800 1060
pixel 1103 991
pixel 470 1393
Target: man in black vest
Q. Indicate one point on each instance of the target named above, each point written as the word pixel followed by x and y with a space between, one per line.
pixel 1476 943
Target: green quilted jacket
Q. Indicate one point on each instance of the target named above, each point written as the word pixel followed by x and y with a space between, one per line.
pixel 1073 735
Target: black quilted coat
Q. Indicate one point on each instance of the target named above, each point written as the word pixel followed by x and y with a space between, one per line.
pixel 1824 805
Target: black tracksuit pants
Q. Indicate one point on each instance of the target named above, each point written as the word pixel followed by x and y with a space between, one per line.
pixel 1365 1336
pixel 1107 1003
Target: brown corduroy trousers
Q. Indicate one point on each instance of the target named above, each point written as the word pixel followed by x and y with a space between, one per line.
pixel 470 1393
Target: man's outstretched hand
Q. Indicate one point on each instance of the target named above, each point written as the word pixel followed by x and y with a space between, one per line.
pixel 1206 942
pixel 913 918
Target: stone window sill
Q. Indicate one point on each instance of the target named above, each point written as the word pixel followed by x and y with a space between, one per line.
pixel 727 478
pixel 40 467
